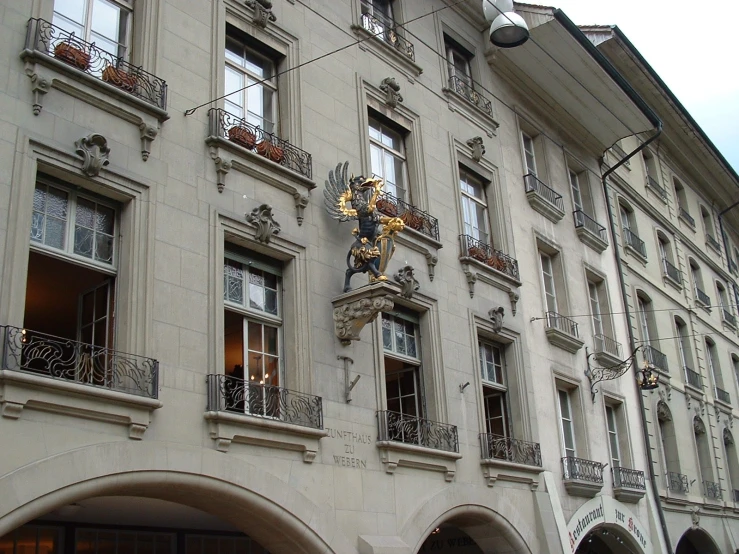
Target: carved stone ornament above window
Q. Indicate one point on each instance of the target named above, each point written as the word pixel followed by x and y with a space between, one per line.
pixel 391 88
pixel 478 148
pixel 357 308
pixel 663 412
pixel 496 316
pixel 261 217
pixel 94 151
pixel 408 282
pixel 262 11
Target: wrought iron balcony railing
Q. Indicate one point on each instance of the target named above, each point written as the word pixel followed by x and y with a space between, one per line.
pixel 632 240
pixel 562 323
pixel 252 137
pixel 693 378
pixel 656 187
pixel 671 271
pixel 702 297
pixel 712 490
pixel 385 29
pixel 733 267
pixel 589 224
pixel 712 242
pixel 71 360
pixel 629 478
pixel 231 394
pixel 416 219
pixel 689 219
pixel 723 396
pixel 607 345
pixel 533 184
pixel 488 255
pixel 394 426
pixel 736 495
pixel 497 447
pixel 53 41
pixel 728 317
pixel 463 88
pixel 677 482
pixel 655 357
pixel 584 470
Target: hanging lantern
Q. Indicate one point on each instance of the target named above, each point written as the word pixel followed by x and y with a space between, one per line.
pixel 647 377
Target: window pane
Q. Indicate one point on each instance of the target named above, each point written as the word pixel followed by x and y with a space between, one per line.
pixel 104 248
pixel 256 289
pixel 83 241
pixel 54 232
pixel 270 339
pixel 26 540
pixel 106 20
pixel 74 10
pixel 399 337
pixel 233 282
pixel 255 337
pixel 387 333
pixel 564 404
pixel 234 82
pixel 256 65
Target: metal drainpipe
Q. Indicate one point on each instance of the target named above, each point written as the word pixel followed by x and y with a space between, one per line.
pixel 609 208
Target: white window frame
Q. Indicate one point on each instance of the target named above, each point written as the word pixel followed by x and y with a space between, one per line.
pixel 680 329
pixel 643 321
pixel 547 276
pixel 576 191
pixel 123 41
pixel 469 202
pixel 595 309
pixel 413 363
pixel 529 151
pixel 453 54
pixel 388 155
pixel 569 422
pixel 494 387
pixel 613 435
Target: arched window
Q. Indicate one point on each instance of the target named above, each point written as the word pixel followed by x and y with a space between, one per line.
pixel 683 348
pixel 709 229
pixel 668 441
pixel 669 270
pixel 714 368
pixel 732 461
pixel 648 331
pixel 682 200
pixel 629 233
pixel 700 295
pixel 705 459
pixel 727 313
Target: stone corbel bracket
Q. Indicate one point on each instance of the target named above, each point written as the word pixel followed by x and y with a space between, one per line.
pixel 148 134
pixel 355 309
pixel 40 85
pixel 301 202
pixel 223 166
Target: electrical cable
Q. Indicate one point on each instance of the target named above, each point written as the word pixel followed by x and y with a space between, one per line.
pixel 683 308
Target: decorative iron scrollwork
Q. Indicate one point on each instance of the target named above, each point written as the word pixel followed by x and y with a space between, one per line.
pixel 394 426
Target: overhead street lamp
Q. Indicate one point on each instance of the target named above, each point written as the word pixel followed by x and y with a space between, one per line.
pixel 507 28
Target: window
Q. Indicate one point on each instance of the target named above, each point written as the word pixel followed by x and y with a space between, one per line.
pixel 387 154
pixel 707 223
pixel 670 452
pixel 100 541
pixel 722 298
pixel 382 12
pixel 72 266
pixel 245 66
pixel 577 200
pixel 474 207
pixel 603 332
pixel 713 365
pixel 665 253
pixel 403 386
pixel 458 61
pixel 106 23
pixel 595 308
pixel 650 164
pixel 682 199
pixel 705 456
pixel 494 389
pixel 566 424
pixel 32 539
pixel 683 344
pixel 529 153
pixel 648 328
pixel 700 294
pixel 547 276
pixel 733 464
pixel 253 348
pixel 613 436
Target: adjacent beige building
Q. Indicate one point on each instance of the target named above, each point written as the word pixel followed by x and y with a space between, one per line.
pixel 181 371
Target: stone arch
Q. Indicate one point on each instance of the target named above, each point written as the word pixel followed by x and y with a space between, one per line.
pixel 479 510
pixel 183 474
pixel 696 541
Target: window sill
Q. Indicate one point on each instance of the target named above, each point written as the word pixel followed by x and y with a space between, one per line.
pixel 253 164
pixel 579 487
pixel 21 390
pixel 544 207
pixel 694 391
pixel 606 359
pixel 563 340
pixel 716 247
pixel 394 454
pixel 677 285
pixel 387 53
pixel 635 253
pixel 656 193
pixel 591 239
pixel 628 494
pixel 690 224
pixel 87 88
pixel 226 427
pixel 465 108
pixel 503 470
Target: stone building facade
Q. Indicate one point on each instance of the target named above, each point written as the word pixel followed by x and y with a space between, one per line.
pixel 182 370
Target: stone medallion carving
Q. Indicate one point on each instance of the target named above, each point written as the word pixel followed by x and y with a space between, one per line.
pixel 94 151
pixel 262 11
pixel 478 148
pixel 496 316
pixel 408 282
pixel 391 88
pixel 261 217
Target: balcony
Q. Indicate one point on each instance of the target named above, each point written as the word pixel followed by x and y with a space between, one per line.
pixel 655 187
pixel 543 199
pixel 723 396
pixel 712 490
pixel 240 411
pixel 415 219
pixel 486 254
pixel 634 243
pixel 75 378
pixel 466 91
pixel 686 217
pixel 728 317
pixel 628 484
pixel 733 268
pixel 497 447
pixel 703 299
pixel 677 482
pixel 713 243
pixel 384 28
pixel 590 231
pixel 582 477
pixel 607 351
pixel 66 51
pixel 671 273
pixel 563 332
pixel 655 358
pixel 258 144
pixel 693 378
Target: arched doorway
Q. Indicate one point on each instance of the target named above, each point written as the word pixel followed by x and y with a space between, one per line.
pixel 473 533
pixel 696 541
pixel 607 539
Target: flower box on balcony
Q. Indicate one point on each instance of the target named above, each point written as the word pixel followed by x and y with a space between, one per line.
pixel 478 253
pixel 243 137
pixel 72 55
pixel 387 207
pixel 414 221
pixel 119 78
pixel 270 151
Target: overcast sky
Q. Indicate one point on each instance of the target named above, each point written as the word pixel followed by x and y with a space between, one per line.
pixel 695 53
